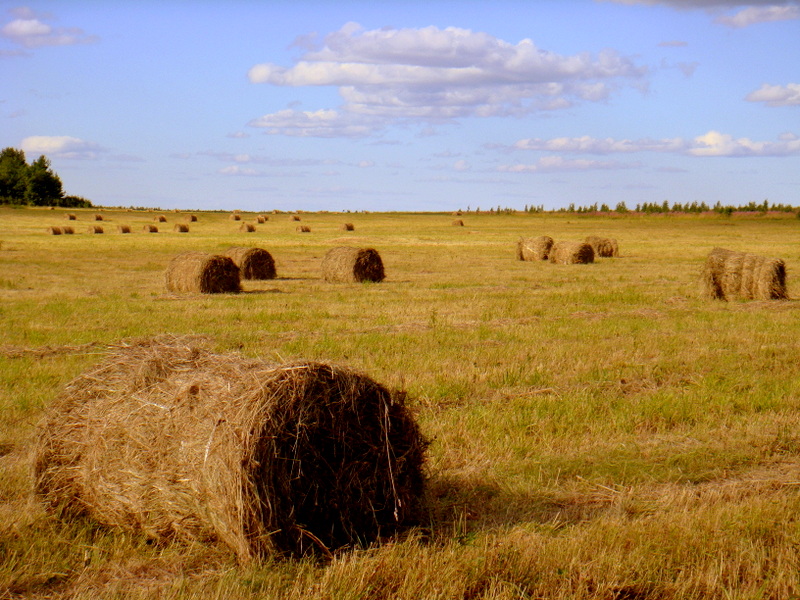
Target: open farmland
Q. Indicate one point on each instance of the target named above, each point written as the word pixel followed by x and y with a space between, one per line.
pixel 597 431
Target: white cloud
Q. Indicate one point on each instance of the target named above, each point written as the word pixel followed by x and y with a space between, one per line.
pixel 320 123
pixel 760 14
pixel 712 143
pixel 61 146
pixel 240 171
pixel 30 31
pixel 462 166
pixel 776 95
pixel 549 164
pixel 440 74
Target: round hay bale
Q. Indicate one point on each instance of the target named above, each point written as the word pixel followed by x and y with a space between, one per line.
pixel 303 229
pixel 571 253
pixel 235 217
pixel 294 218
pixel 54 230
pixel 347 227
pixel 95 229
pixel 253 263
pixel 346 264
pixel 67 230
pixel 247 227
pixel 124 228
pixel 171 440
pixel 604 247
pixel 150 229
pixel 203 273
pixel 261 219
pixel 71 217
pixel 160 219
pixel 457 223
pixel 98 217
pixel 191 218
pixel 728 275
pixel 181 228
pixel 532 249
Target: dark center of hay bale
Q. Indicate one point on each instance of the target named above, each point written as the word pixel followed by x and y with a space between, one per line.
pixel 169 439
pixel 346 264
pixel 203 273
pixel 253 263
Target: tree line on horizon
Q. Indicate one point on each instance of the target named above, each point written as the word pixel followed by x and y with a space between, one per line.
pixel 34 184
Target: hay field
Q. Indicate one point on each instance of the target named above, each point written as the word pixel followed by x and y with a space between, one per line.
pixel 597 431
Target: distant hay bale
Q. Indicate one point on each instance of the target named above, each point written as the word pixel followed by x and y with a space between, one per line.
pixel 604 247
pixel 729 275
pixel 457 223
pixel 346 264
pixel 261 219
pixel 160 219
pixel 347 227
pixel 95 229
pixel 533 249
pixel 253 263
pixel 191 218
pixel 571 253
pixel 124 228
pixel 67 230
pixel 150 229
pixel 181 228
pixel 203 273
pixel 55 230
pixel 247 227
pixel 98 217
pixel 168 439
pixel 456 213
pixel 71 217
pixel 294 218
pixel 303 229
pixel 235 217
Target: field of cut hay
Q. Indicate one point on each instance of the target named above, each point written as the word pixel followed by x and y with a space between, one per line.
pixel 594 431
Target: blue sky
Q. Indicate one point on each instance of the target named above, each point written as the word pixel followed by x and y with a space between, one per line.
pixel 408 106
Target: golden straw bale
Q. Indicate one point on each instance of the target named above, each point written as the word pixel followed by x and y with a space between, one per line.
pixel 261 219
pixel 201 272
pixel 191 218
pixel 150 229
pixel 68 230
pixel 95 229
pixel 166 438
pixel 457 223
pixel 303 229
pixel 181 228
pixel 55 230
pixel 253 263
pixel 347 227
pixel 532 249
pixel 571 253
pixel 294 218
pixel 247 227
pixel 235 217
pixel 346 264
pixel 605 247
pixel 160 219
pixel 124 228
pixel 729 275
pixel 71 217
pixel 98 217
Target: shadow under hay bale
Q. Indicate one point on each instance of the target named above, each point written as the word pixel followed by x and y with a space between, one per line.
pixel 247 227
pixel 176 442
pixel 533 249
pixel 303 229
pixel 150 229
pixel 94 229
pixel 457 223
pixel 181 228
pixel 203 273
pixel 55 230
pixel 124 228
pixel 571 253
pixel 253 263
pixel 348 265
pixel 729 275
pixel 347 227
pixel 604 247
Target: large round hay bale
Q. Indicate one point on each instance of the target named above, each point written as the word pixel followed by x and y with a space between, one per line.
pixel 571 253
pixel 729 275
pixel 173 441
pixel 303 229
pixel 98 217
pixel 160 219
pixel 253 263
pixel 346 264
pixel 531 249
pixel 347 227
pixel 457 223
pixel 124 228
pixel 294 218
pixel 261 219
pixel 67 230
pixel 95 229
pixel 181 228
pixel 71 217
pixel 604 247
pixel 247 227
pixel 55 230
pixel 191 218
pixel 201 272
pixel 150 229
pixel 235 217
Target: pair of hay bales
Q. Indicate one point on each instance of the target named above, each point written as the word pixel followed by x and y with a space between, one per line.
pixel 352 265
pixel 168 439
pixel 544 248
pixel 218 274
pixel 729 275
pixel 66 230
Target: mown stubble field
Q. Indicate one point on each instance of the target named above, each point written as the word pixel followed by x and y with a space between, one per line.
pixel 597 431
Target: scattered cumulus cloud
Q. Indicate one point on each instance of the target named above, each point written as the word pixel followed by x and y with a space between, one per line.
pixel 61 146
pixel 236 170
pixel 760 14
pixel 776 95
pixel 434 75
pixel 30 30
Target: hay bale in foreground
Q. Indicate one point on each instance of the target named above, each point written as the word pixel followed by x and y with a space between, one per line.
pixel 94 229
pixel 728 275
pixel 181 228
pixel 124 228
pixel 253 263
pixel 54 230
pixel 247 227
pixel 532 249
pixel 346 264
pixel 203 273
pixel 347 227
pixel 571 253
pixel 604 247
pixel 150 229
pixel 171 440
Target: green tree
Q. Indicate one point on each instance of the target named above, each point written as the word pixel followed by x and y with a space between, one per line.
pixel 13 176
pixel 43 186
